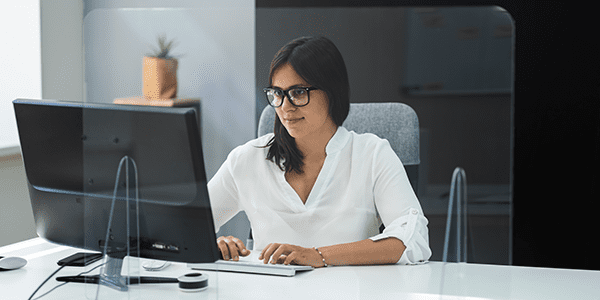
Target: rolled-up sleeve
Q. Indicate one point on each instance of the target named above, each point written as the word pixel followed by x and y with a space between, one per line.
pixel 398 207
pixel 412 230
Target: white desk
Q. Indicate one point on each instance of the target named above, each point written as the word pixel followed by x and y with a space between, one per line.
pixel 461 281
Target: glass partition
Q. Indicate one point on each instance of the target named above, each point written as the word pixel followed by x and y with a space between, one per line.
pixel 130 151
pixel 214 47
pixel 454 67
pixel 459 79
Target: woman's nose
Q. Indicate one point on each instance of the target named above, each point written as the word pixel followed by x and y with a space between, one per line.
pixel 287 103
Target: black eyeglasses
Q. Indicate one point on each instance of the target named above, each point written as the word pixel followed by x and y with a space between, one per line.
pixel 298 96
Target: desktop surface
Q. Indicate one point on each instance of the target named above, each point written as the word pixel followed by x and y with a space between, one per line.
pixel 433 280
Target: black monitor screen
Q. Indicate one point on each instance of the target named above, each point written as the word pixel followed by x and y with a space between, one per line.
pixel 73 153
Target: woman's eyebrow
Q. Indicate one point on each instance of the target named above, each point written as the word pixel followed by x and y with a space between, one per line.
pixel 293 86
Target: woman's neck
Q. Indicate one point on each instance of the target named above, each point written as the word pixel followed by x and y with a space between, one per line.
pixel 313 146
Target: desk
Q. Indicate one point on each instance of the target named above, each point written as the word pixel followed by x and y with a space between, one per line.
pixel 461 281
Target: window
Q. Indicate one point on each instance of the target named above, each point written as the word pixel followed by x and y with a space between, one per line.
pixel 20 62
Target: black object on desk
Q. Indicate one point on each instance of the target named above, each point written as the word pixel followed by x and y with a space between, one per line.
pixel 94 279
pixel 80 259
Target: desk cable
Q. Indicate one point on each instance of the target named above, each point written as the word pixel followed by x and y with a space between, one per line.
pixel 52 275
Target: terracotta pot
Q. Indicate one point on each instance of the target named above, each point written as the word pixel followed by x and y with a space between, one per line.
pixel 160 78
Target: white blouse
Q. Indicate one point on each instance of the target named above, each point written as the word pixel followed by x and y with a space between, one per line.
pixel 362 183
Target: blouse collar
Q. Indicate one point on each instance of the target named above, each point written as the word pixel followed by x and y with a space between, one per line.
pixel 338 140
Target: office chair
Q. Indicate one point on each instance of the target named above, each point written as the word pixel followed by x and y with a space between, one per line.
pixel 395 122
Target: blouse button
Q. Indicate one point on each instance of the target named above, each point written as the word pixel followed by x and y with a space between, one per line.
pixel 414 212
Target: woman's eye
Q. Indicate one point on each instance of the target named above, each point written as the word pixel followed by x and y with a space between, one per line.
pixel 297 93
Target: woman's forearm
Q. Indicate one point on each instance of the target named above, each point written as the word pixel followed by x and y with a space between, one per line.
pixel 365 252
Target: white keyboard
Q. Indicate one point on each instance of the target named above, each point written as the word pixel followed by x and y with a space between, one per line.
pixel 250 264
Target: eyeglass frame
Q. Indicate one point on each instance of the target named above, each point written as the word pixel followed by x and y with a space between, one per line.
pixel 286 94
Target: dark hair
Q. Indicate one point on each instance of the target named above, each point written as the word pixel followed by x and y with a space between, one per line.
pixel 318 61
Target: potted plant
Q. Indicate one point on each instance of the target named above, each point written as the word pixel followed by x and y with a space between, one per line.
pixel 160 72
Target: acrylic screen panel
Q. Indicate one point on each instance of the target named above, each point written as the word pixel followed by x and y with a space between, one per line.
pixel 459 127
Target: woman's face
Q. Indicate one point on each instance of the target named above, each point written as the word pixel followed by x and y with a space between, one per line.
pixel 306 121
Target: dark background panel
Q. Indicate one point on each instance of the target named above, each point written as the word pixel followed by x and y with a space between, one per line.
pixel 556 117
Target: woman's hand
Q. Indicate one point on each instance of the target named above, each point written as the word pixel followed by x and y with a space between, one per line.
pixel 231 248
pixel 286 254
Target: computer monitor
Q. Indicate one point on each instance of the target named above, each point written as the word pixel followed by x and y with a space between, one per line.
pixel 72 152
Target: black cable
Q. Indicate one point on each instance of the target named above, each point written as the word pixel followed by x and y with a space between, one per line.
pixel 40 286
pixel 82 273
pixel 54 273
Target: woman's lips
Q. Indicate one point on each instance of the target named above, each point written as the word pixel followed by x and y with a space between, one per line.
pixel 293 120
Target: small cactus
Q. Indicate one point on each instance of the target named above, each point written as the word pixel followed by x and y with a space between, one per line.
pixel 164 48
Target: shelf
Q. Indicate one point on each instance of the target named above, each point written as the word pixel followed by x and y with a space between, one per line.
pixel 176 102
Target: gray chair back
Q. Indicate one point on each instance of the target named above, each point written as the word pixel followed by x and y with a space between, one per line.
pixel 395 122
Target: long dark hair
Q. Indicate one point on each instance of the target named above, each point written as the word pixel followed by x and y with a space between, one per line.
pixel 318 61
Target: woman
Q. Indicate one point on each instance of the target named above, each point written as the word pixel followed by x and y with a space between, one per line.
pixel 316 194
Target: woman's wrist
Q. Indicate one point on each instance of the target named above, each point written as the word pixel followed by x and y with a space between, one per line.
pixel 322 257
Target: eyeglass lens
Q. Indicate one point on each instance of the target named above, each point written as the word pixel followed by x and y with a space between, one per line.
pixel 298 96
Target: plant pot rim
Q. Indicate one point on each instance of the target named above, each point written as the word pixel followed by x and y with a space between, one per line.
pixel 165 58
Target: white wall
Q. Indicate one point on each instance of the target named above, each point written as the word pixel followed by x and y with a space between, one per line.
pixel 20 77
pixel 62 49
pixel 45 43
pixel 16 217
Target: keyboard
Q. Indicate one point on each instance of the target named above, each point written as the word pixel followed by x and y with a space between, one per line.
pixel 250 264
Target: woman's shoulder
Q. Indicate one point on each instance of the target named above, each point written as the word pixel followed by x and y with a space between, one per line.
pixel 370 148
pixel 259 141
pixel 367 140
